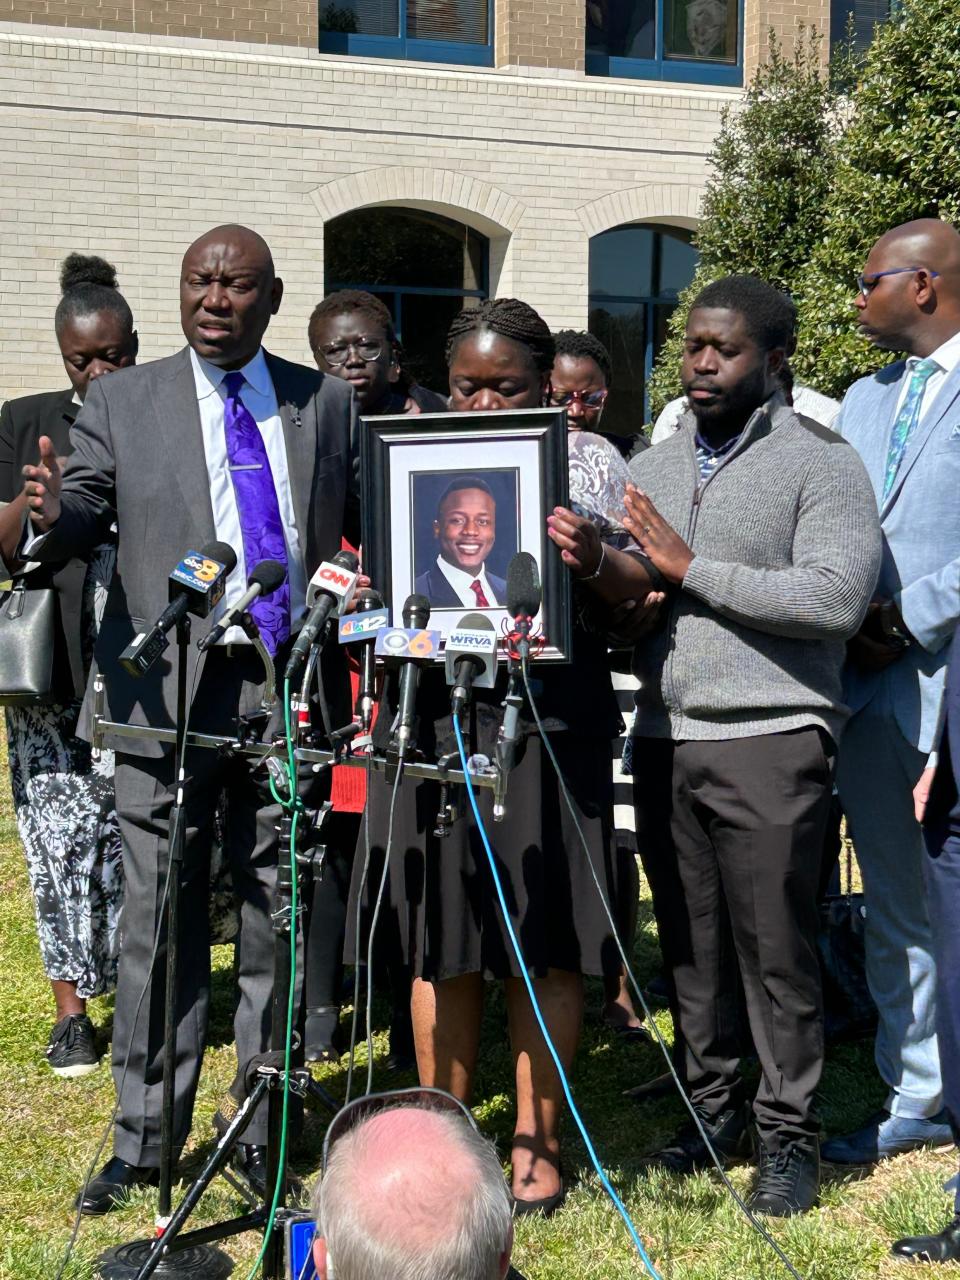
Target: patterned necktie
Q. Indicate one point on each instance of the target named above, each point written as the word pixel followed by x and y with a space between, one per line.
pixel 260 524
pixel 482 601
pixel 907 418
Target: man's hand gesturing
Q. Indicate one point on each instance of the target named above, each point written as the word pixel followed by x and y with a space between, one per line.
pixel 656 539
pixel 42 487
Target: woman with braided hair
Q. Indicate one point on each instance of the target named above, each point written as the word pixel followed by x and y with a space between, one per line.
pixel 500 355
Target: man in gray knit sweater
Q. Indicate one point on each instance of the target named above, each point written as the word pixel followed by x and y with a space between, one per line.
pixel 765 525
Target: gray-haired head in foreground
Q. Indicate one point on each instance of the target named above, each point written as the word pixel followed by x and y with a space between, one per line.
pixel 411 1194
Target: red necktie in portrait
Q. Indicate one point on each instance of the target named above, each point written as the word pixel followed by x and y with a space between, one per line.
pixel 482 601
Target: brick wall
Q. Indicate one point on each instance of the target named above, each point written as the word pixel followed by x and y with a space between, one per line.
pixel 289 22
pixel 540 33
pixel 133 150
pixel 784 18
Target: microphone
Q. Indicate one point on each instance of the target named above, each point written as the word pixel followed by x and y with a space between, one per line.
pixel 266 577
pixel 196 586
pixel 366 692
pixel 416 614
pixel 331 588
pixel 470 656
pixel 524 597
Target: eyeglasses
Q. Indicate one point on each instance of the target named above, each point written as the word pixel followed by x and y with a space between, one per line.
pixel 336 353
pixel 588 399
pixel 371 1104
pixel 866 284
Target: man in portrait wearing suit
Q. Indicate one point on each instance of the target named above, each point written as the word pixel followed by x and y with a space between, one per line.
pixel 219 441
pixel 905 423
pixel 937 800
pixel 465 529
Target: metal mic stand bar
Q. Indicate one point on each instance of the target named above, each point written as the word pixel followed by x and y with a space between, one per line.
pixel 145 1258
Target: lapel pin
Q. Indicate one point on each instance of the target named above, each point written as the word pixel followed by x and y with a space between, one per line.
pixel 295 415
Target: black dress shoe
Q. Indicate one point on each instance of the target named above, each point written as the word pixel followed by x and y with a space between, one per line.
pixel 249 1161
pixel 729 1136
pixel 112 1185
pixel 942 1248
pixel 789 1179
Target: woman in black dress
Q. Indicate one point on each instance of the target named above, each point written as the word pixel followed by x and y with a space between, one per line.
pixel 500 355
pixel 62 797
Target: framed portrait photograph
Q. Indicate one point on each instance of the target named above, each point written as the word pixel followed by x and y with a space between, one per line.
pixel 450 498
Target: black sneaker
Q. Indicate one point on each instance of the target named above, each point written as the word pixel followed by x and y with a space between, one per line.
pixel 72 1048
pixel 729 1135
pixel 789 1179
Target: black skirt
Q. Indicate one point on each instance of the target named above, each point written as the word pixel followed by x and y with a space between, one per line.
pixel 440 897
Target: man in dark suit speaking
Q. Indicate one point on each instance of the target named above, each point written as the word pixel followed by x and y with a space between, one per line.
pixel 465 528
pixel 221 441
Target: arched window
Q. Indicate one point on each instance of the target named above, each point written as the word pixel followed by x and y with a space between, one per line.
pixel 425 267
pixel 636 273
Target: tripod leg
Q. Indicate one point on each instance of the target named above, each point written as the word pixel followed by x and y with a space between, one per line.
pixel 209 1171
pixel 325 1099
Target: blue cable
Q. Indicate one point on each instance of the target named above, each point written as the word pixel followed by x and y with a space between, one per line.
pixel 605 1181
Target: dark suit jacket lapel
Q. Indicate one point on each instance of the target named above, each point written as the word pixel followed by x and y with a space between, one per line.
pixel 298 416
pixel 178 416
pixel 946 396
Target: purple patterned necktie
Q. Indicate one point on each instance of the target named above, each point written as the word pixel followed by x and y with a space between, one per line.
pixel 259 509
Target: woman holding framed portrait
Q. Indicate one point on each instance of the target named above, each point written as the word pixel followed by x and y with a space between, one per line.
pixel 500 355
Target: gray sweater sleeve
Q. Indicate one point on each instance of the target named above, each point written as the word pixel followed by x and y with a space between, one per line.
pixel 836 560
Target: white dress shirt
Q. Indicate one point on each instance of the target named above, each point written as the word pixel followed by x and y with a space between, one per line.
pixel 461 582
pixel 947 356
pixel 260 398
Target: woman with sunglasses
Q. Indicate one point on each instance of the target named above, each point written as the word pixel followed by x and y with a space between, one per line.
pixel 500 355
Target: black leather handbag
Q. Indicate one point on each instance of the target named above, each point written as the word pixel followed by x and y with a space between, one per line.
pixel 27 621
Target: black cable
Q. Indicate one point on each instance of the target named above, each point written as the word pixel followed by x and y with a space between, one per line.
pixel 356 932
pixel 108 1128
pixel 664 1048
pixel 373 924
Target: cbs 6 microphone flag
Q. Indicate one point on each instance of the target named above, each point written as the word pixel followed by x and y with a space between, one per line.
pixel 196 586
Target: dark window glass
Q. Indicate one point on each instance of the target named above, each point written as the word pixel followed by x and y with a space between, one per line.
pixel 451 21
pixel 423 266
pixel 361 17
pixel 621 262
pixel 461 21
pixel 858 18
pixel 701 30
pixel 677 262
pixel 621 327
pixel 693 30
pixel 636 273
pixel 622 28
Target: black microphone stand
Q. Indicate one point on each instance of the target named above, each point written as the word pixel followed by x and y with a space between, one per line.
pixel 175 1254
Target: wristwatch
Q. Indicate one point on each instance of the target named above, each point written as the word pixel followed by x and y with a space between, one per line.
pixel 892 625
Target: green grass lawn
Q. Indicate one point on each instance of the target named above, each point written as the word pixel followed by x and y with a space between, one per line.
pixel 50 1129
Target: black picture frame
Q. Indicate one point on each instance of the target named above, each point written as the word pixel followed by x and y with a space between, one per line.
pixel 405 463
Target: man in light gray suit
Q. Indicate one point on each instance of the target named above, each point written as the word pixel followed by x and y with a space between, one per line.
pixel 219 441
pixel 905 423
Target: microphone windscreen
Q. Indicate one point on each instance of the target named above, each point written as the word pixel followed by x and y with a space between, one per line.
pixel 269 574
pixel 221 552
pixel 369 599
pixel 416 611
pixel 475 622
pixel 346 560
pixel 524 596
